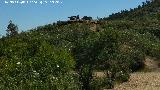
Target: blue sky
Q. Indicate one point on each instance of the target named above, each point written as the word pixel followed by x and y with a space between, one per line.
pixel 31 15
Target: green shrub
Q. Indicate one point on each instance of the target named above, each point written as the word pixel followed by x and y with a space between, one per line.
pixel 122 76
pixel 20 71
pixel 102 83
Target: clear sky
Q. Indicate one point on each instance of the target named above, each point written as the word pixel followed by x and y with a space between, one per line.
pixel 31 15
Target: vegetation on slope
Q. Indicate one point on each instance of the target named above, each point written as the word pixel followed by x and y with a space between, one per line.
pixel 64 57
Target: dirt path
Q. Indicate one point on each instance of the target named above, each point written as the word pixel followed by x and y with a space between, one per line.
pixel 143 80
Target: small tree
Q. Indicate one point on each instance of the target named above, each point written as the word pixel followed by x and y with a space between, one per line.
pixel 12 29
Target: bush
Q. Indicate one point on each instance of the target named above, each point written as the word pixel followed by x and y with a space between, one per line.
pixel 102 83
pixel 136 59
pixel 20 71
pixel 122 76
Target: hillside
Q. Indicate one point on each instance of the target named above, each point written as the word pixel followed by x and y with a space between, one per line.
pixel 66 56
pixel 147 8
